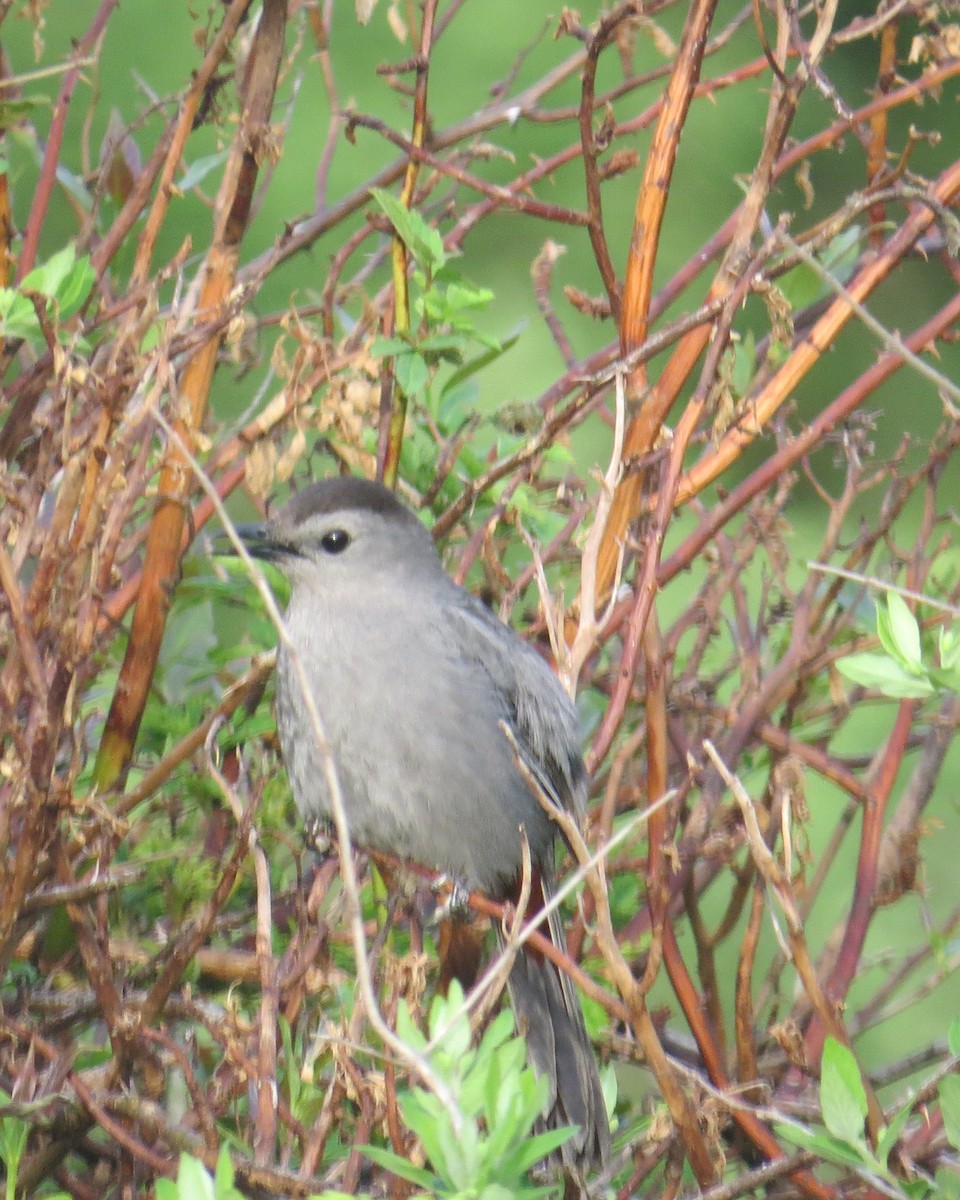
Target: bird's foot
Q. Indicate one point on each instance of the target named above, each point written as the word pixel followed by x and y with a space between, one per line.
pixel 318 834
pixel 454 902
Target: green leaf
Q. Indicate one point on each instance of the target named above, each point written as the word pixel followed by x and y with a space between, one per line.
pixel 947 1184
pixel 48 276
pixel 456 404
pixel 14 1132
pixel 953 1036
pixel 540 1145
pixel 947 681
pixel 13 111
pixel 422 240
pixel 949 648
pixel 412 373
pixel 64 278
pixel 841 255
pixel 382 347
pixel 223 1177
pixel 744 363
pixel 76 287
pixel 294 1083
pixel 446 345
pixel 884 675
pixel 200 169
pixel 473 365
pixel 904 630
pixel 496 1191
pixel 918 1189
pixel 424 1117
pixel 843 1100
pixel 950 1109
pixel 456 1034
pixel 802 285
pixel 193 1180
pixel 829 1148
pixel 399 1166
pixel 891 1134
pixel 18 317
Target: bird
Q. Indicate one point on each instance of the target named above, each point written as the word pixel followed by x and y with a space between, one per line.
pixel 415 680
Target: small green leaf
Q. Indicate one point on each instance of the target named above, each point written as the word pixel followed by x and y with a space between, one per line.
pixel 919 1189
pixel 200 169
pixel 422 240
pixel 48 276
pixel 885 630
pixel 843 1100
pixel 193 1180
pixel 482 360
pixel 399 1166
pixel 495 1191
pixel 949 647
pixel 18 317
pixel 744 363
pixel 841 256
pixel 904 629
pixel 386 347
pixel 412 373
pixel 891 1134
pixel 950 1109
pixel 223 1177
pixel 442 343
pixel 75 288
pixel 407 1030
pixel 13 111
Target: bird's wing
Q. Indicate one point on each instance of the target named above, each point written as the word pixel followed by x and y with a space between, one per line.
pixel 542 716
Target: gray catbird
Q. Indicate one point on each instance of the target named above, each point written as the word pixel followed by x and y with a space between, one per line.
pixel 412 676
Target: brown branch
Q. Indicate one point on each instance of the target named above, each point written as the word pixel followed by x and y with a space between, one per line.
pixel 606 30
pixel 162 561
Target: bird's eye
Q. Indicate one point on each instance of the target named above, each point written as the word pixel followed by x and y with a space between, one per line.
pixel 336 541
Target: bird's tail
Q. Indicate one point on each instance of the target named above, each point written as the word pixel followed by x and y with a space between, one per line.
pixel 549 1016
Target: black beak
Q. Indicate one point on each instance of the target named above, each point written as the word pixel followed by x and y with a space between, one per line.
pixel 258 542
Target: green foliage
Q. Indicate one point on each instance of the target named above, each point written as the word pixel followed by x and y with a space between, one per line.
pixel 13 1142
pixel 486 1151
pixel 901 671
pixel 435 364
pixel 194 1182
pixel 843 1104
pixel 843 1100
pixel 443 333
pixel 303 1095
pixel 14 1132
pixel 64 279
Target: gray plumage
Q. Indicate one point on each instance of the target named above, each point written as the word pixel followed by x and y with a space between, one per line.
pixel 411 676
